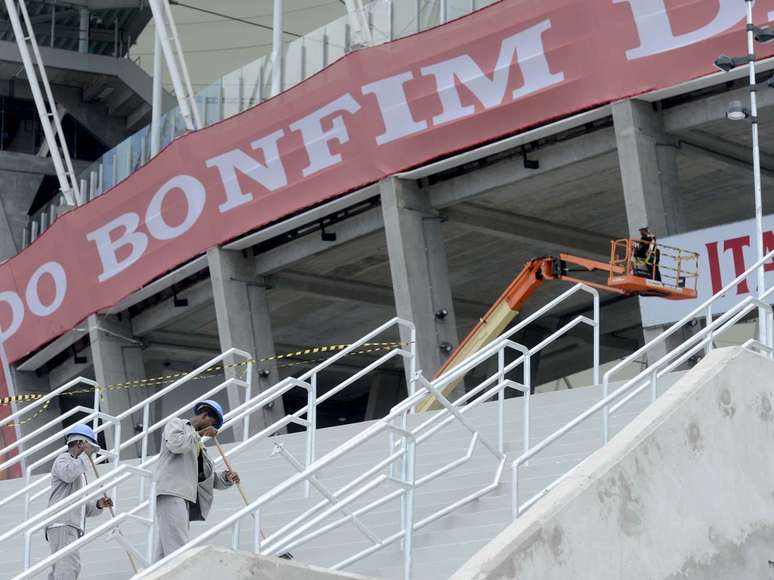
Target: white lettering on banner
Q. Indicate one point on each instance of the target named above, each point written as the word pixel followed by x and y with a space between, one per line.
pixel 270 174
pixel 725 252
pixel 316 139
pixel 17 313
pixel 58 275
pixel 195 196
pixel 655 28
pixel 526 46
pixel 107 247
pixel 396 114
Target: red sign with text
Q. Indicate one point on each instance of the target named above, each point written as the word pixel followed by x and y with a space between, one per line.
pixel 377 111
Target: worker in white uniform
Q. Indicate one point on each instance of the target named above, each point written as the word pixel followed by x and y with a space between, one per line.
pixel 68 475
pixel 185 476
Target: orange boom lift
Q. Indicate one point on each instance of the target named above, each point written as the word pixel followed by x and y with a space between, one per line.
pixel 673 275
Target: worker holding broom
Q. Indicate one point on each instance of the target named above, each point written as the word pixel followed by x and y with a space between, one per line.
pixel 68 475
pixel 185 476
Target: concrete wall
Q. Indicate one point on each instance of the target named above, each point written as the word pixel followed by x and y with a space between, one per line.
pixel 208 562
pixel 686 491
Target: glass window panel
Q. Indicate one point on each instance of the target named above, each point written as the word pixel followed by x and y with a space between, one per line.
pixel 429 13
pixel 379 20
pixel 315 51
pixel 405 17
pixel 251 83
pixel 294 65
pixel 232 93
pixel 457 8
pixel 337 32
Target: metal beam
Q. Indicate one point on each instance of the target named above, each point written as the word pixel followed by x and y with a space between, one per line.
pixel 524 229
pixel 510 171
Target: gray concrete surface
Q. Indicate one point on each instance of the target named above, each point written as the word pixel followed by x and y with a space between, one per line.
pixel 684 492
pixel 440 547
pixel 210 562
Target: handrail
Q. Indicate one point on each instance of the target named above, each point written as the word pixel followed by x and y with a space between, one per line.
pixel 56 392
pixel 297 531
pixel 728 319
pixel 703 307
pixel 234 416
pixel 77 499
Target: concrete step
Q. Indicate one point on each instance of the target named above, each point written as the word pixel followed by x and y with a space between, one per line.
pixel 440 547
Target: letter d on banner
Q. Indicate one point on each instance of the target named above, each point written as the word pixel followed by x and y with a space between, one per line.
pixel 655 28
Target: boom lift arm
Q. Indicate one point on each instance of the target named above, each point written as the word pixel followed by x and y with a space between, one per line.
pixel 622 279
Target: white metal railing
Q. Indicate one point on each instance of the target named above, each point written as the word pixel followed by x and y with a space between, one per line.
pixel 307 526
pixel 38 404
pixel 34 489
pixel 236 418
pixel 89 492
pixel 29 486
pixel 649 377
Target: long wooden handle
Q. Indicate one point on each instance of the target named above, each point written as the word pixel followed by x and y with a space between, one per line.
pixel 239 486
pixel 112 513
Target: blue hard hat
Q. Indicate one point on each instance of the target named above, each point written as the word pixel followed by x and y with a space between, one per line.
pixel 213 406
pixel 81 432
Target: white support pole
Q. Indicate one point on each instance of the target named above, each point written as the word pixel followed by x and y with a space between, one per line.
pixel 276 50
pixel 182 65
pixel 161 13
pixel 59 154
pixel 756 170
pixel 158 74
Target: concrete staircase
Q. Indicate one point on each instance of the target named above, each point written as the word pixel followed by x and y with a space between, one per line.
pixel 440 548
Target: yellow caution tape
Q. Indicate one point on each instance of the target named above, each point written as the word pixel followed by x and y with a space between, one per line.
pixel 153 381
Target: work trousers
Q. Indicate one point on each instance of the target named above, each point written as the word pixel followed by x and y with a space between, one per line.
pixel 173 527
pixel 69 567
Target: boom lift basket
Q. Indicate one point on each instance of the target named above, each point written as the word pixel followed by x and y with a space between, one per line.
pixel 665 271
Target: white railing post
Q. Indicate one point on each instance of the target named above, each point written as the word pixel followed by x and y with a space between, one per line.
pixel 527 395
pixel 248 397
pixel 408 512
pixel 311 429
pixel 151 533
pixel 501 398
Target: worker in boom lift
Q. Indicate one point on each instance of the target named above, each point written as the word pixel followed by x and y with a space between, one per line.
pixel 185 476
pixel 68 475
pixel 647 256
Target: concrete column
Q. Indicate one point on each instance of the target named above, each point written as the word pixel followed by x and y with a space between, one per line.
pixel 647 157
pixel 117 358
pixel 244 322
pixel 420 277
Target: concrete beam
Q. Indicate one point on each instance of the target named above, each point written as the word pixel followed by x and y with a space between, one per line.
pixel 117 357
pixel 165 313
pixel 731 154
pixel 511 170
pixel 552 236
pixel 94 117
pixel 420 277
pixel 346 231
pixel 695 114
pixel 352 291
pixel 648 169
pixel 244 322
pixel 651 185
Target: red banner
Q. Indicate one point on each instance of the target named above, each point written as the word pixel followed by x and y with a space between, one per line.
pixel 514 65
